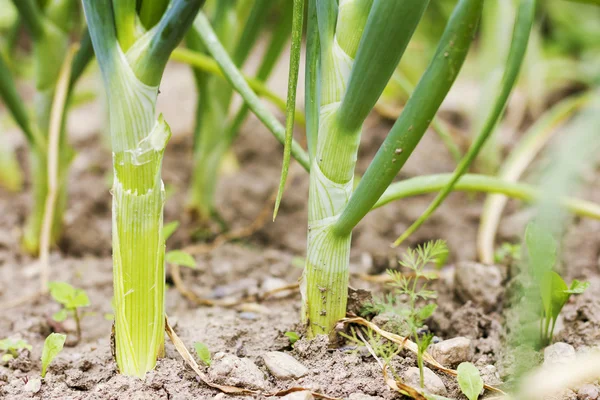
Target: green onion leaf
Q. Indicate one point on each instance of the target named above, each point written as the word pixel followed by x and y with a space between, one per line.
pixel 418 112
pixel 297 26
pixel 523 25
pixel 234 76
pixel 388 30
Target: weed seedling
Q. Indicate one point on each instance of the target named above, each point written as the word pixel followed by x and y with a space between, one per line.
pixel 382 348
pixel 508 253
pixel 11 348
pixel 72 300
pixel 203 353
pixel 293 336
pixel 554 292
pixel 469 380
pixel 52 347
pixel 408 295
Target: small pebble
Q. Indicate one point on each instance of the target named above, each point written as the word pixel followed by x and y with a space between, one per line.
pixel 588 392
pixel 248 315
pixel 270 284
pixel 433 383
pixel 284 366
pixel 303 395
pixel 453 351
pixel 559 353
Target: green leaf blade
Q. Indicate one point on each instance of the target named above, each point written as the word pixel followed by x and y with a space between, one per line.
pixel 577 287
pixel 297 26
pixel 169 229
pixel 181 258
pixel 469 380
pixel 388 30
pixel 419 110
pixel 520 40
pixel 203 353
pixel 53 345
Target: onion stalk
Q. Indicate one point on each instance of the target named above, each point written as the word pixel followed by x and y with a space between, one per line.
pixel 50 29
pixel 132 51
pixel 237 26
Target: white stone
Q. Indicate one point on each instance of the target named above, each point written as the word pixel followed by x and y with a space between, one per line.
pixel 588 392
pixel 453 351
pixel 284 366
pixel 303 395
pixel 231 370
pixel 433 383
pixel 558 353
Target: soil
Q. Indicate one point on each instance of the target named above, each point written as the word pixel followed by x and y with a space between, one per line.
pixel 239 268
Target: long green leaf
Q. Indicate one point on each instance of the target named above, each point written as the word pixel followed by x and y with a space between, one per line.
pixel 480 183
pixel 235 77
pixel 82 58
pixel 207 64
pixel 151 11
pixel 252 29
pixel 279 39
pixel 594 2
pixel 521 155
pixel 14 103
pixel 125 21
pixel 297 26
pixel 389 28
pixel 326 16
pixel 311 80
pixel 173 25
pixel 31 16
pixel 102 29
pixel 418 112
pixel 522 30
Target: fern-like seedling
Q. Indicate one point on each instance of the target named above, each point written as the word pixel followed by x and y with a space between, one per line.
pixel 410 298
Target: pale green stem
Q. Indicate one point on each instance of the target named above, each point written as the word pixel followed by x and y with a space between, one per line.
pixel 324 284
pixel 11 176
pixel 139 142
pixel 211 148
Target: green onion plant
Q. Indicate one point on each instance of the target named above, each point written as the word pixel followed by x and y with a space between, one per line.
pixel 330 129
pixel 352 50
pixel 133 41
pixel 50 26
pixel 238 26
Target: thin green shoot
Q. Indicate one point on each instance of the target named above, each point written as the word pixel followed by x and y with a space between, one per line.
pixel 207 64
pixel 235 78
pixel 72 300
pixel 522 154
pixel 520 39
pixel 481 183
pixel 297 26
pixel 53 345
